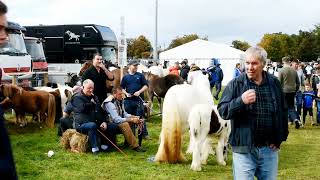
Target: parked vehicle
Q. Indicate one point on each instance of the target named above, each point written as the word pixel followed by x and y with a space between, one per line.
pixel 14 59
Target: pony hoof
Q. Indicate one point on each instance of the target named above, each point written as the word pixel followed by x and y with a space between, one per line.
pixel 223 163
pixel 203 162
pixel 195 168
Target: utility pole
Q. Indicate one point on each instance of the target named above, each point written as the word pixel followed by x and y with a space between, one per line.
pixel 155 46
pixel 122 47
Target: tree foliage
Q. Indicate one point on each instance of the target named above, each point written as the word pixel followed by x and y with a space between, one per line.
pixel 305 45
pixel 242 45
pixel 184 39
pixel 139 47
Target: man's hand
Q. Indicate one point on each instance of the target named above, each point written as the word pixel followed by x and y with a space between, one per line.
pixel 93 101
pixel 137 93
pixel 274 147
pixel 103 126
pixel 249 96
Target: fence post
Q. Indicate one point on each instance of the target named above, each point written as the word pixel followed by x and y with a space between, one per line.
pixel 14 79
pixel 46 78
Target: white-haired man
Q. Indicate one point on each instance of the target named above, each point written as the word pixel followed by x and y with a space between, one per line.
pixel 254 102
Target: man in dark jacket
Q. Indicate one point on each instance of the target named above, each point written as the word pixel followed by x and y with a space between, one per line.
pixel 7 166
pixel 88 116
pixel 98 73
pixel 254 102
pixel 219 74
pixel 184 69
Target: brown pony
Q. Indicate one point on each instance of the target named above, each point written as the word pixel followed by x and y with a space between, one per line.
pixel 34 102
pixel 158 86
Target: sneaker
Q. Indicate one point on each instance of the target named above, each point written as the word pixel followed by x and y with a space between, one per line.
pixel 297 122
pixel 139 149
pixel 289 123
pixel 104 147
pixel 147 137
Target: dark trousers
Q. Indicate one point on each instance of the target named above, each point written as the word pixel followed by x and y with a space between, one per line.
pixel 7 166
pixel 136 108
pixel 289 98
pixel 64 124
pixel 305 111
pixel 218 89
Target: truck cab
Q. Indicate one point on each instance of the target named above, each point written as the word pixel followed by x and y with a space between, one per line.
pixel 14 59
pixel 35 49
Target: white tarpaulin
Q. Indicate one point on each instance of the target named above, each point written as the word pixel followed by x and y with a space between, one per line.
pixel 201 53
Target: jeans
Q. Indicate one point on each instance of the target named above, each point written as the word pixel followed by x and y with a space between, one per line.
pixel 261 162
pixel 292 114
pixel 90 128
pixel 136 108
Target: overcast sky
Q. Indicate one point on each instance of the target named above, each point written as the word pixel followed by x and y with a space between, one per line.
pixel 221 20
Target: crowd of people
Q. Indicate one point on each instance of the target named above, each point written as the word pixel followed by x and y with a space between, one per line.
pixel 300 83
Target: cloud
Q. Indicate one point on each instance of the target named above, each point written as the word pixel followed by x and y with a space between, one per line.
pixel 219 20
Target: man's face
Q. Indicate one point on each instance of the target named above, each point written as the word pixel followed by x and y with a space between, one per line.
pixel 254 67
pixel 118 95
pixel 3 33
pixel 88 89
pixel 294 65
pixel 97 60
pixel 133 68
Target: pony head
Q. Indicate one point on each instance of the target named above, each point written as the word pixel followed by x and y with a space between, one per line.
pixel 8 90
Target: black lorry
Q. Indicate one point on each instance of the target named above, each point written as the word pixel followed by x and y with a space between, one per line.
pixel 75 43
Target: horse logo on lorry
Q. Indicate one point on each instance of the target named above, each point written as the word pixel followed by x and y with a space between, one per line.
pixel 72 35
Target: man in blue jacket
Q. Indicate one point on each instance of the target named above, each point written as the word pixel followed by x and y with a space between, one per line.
pixel 254 102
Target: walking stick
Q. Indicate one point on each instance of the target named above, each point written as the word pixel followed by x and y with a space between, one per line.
pixel 112 143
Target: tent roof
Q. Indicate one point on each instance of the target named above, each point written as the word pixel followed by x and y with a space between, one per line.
pixel 201 49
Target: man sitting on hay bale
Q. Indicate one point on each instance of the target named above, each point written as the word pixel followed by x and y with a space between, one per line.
pixel 88 116
pixel 115 107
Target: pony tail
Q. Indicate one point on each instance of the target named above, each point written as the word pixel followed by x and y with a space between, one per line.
pixel 170 149
pixel 51 111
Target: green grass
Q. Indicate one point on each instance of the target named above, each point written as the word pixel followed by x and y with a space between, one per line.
pixel 299 158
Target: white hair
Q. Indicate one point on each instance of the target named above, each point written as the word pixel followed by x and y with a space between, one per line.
pixel 87 81
pixel 258 53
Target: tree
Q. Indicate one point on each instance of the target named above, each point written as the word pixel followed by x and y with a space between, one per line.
pixel 185 39
pixel 130 49
pixel 139 47
pixel 242 45
pixel 278 45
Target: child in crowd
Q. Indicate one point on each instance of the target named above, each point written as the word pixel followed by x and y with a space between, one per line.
pixel 308 97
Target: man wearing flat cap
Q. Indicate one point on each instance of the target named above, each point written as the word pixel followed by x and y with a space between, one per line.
pixel 134 84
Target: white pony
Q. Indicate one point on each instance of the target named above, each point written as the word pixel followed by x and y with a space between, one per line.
pixel 156 70
pixel 179 101
pixel 65 93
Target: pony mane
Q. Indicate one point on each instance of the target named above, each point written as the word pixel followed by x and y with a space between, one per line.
pixel 10 90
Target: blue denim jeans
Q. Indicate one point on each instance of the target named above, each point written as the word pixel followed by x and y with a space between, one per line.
pixel 90 129
pixel 261 162
pixel 136 108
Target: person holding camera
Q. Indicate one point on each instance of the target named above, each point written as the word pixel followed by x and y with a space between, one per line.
pixel 98 73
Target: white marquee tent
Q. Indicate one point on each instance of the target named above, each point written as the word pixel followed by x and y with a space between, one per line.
pixel 201 53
